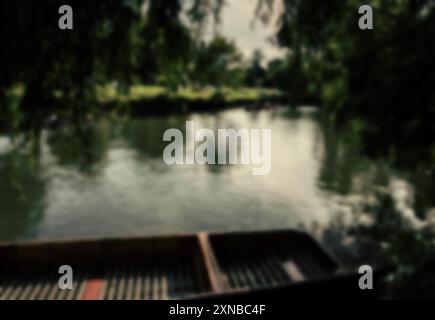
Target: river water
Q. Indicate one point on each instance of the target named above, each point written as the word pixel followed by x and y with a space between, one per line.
pixel 109 179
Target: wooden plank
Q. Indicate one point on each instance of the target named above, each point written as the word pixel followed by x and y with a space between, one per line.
pixel 255 265
pixel 164 285
pixel 190 283
pixel 217 282
pixel 171 281
pixel 15 294
pixel 147 285
pixel 82 286
pixel 155 284
pixel 7 289
pixel 53 291
pixel 199 275
pixel 139 285
pixel 248 271
pixel 244 283
pixel 120 290
pixel 264 270
pixel 275 267
pixel 37 288
pixel 179 281
pixel 129 289
pixel 45 290
pixel 112 276
pixel 28 289
pixel 293 271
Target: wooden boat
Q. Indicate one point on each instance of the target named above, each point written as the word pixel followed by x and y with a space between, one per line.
pixel 164 267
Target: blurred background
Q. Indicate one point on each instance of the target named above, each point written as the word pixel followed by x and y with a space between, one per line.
pixel 82 116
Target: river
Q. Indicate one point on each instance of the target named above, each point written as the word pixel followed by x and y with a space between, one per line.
pixel 109 179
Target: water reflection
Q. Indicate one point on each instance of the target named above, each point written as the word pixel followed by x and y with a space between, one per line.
pixel 145 135
pixel 107 178
pixel 81 144
pixel 21 193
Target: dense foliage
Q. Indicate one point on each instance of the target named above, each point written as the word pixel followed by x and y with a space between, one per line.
pixel 46 71
pixel 377 79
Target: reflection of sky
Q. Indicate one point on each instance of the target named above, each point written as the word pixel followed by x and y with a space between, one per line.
pixel 131 191
pixel 4 145
pixel 237 18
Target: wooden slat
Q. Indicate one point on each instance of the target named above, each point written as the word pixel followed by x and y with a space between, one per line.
pixel 147 286
pixel 129 290
pixel 293 271
pixel 265 273
pixel 202 286
pixel 8 287
pixel 139 285
pixel 120 291
pixel 217 282
pixel 155 284
pixel 112 279
pixel 164 285
pixel 44 291
pixel 33 295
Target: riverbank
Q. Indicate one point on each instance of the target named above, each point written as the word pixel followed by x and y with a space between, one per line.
pixel 143 99
pixel 140 100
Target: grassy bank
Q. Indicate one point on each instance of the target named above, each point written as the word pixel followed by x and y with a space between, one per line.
pixel 143 99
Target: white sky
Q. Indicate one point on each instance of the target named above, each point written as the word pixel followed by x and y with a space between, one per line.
pixel 237 17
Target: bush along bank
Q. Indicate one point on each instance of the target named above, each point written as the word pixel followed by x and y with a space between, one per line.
pixel 145 100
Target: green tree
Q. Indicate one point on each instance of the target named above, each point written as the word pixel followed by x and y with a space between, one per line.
pixel 382 77
pixel 255 76
pixel 121 41
pixel 217 63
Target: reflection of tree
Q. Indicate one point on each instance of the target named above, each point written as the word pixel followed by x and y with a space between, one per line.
pixel 145 134
pixel 377 232
pixel 398 242
pixel 83 144
pixel 374 231
pixel 342 159
pixel 22 191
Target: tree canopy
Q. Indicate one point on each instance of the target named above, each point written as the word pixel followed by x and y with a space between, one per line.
pixel 382 78
pixel 56 71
